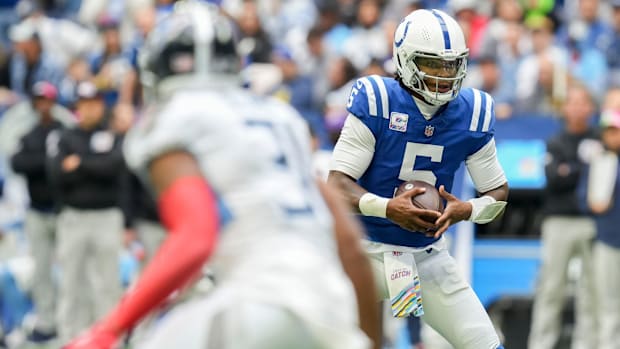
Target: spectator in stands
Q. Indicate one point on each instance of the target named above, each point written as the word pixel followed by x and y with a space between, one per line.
pixel 29 62
pixel 111 68
pixel 40 224
pixel 341 75
pixel 78 70
pixel 600 191
pixel 538 8
pixel 566 232
pixel 61 38
pixel 368 39
pixel 21 118
pixel 506 13
pixel 541 76
pixel 613 51
pixel 333 23
pixel 296 88
pixel 491 81
pixel 317 64
pixel 474 23
pixel 588 65
pixel 255 45
pixel 87 170
pixel 587 29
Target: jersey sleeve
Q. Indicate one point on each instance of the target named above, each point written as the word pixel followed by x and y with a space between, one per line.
pixel 484 168
pixel 354 150
pixel 482 119
pixel 172 128
pixel 368 102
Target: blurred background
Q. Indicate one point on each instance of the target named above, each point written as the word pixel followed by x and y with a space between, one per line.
pixel 63 60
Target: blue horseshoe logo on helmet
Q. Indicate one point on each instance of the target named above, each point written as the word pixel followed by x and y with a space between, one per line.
pixel 402 39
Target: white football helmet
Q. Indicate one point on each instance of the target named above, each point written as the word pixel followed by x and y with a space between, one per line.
pixel 192 46
pixel 430 55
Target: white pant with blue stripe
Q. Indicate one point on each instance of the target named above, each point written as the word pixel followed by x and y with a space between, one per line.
pixel 450 305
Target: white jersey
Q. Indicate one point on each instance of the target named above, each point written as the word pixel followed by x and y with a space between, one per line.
pixel 255 154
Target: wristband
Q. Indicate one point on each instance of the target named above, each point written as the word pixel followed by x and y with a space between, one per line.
pixel 373 205
pixel 485 209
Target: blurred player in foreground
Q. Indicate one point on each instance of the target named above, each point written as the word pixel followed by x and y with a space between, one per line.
pixel 419 127
pixel 209 149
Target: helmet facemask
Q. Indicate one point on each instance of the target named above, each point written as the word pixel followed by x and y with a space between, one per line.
pixel 436 78
pixel 193 46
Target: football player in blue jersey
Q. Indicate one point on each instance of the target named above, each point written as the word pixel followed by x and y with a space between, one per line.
pixel 421 126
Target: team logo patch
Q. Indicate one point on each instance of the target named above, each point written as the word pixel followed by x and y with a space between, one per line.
pixel 102 141
pixel 429 130
pixel 398 121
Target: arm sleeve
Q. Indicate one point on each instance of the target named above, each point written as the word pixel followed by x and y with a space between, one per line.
pixel 28 162
pixel 55 171
pixel 603 171
pixel 189 211
pixel 582 190
pixel 485 169
pixel 355 148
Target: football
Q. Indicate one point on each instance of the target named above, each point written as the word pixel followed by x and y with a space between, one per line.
pixel 430 200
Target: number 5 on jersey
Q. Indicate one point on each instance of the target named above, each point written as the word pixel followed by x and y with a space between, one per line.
pixel 413 150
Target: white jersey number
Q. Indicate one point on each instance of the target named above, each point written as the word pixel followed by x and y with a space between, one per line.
pixel 290 159
pixel 413 150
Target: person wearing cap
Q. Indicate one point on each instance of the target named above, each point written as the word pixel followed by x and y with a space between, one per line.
pixel 40 222
pixel 566 233
pixel 88 170
pixel 600 195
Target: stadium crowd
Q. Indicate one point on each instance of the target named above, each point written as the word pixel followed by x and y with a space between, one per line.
pixel 70 89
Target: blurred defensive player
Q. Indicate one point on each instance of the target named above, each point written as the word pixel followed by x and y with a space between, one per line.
pixel 207 146
pixel 422 126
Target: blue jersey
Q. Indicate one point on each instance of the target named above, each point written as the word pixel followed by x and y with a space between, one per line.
pixel 410 147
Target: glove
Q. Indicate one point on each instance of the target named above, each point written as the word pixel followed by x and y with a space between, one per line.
pixel 95 338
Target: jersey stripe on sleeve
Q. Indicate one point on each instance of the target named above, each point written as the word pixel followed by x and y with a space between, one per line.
pixel 372 99
pixel 385 107
pixel 475 116
pixel 487 112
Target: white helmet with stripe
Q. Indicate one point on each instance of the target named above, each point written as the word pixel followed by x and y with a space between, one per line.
pixel 430 55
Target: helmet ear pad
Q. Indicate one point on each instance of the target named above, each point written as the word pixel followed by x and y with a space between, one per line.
pixel 415 82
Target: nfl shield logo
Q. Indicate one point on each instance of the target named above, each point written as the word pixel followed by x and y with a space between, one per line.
pixel 428 130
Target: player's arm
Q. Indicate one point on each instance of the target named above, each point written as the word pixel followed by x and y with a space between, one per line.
pixel 489 180
pixel 356 265
pixel 188 210
pixel 353 154
pixel 27 160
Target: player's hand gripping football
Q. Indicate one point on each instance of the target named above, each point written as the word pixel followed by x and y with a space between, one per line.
pixel 95 338
pixel 455 211
pixel 401 211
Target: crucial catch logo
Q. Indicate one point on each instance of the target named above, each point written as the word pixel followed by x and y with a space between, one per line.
pixel 398 121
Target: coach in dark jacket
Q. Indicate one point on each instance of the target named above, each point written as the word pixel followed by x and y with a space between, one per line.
pixel 87 169
pixel 566 232
pixel 40 223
